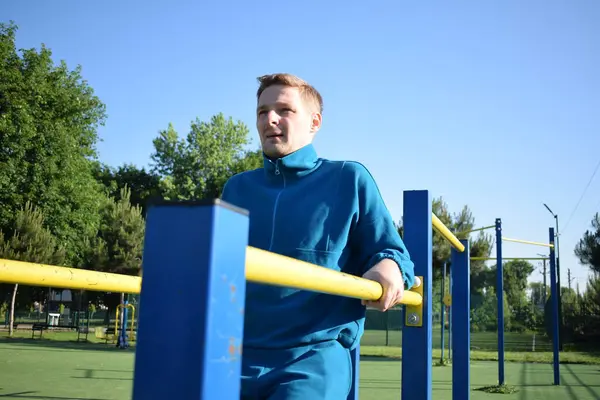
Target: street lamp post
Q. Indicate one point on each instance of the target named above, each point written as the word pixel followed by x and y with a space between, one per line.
pixel 560 313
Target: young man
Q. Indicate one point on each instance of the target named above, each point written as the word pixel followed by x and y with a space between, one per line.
pixel 297 343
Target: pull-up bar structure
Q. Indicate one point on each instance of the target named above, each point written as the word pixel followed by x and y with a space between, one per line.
pixel 197 253
pixel 500 298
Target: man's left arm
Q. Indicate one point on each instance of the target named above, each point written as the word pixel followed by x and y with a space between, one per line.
pixel 379 245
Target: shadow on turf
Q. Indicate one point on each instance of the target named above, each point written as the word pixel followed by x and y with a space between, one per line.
pixel 93 374
pixel 581 383
pixel 62 345
pixel 32 395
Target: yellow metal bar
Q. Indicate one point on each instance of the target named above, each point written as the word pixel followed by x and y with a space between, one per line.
pixel 66 278
pixel 478 229
pixel 274 269
pixel 507 258
pixel 261 267
pixel 445 232
pixel 527 242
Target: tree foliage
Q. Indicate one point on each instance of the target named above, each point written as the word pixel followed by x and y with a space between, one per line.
pixel 588 248
pixel 30 242
pixel 199 166
pixel 48 121
pixel 141 184
pixel 118 246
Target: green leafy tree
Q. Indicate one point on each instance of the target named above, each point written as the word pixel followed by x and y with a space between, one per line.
pixel 142 184
pixel 30 242
pixel 199 166
pixel 48 121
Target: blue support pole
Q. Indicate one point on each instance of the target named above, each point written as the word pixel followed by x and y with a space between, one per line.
pixel 417 340
pixel 461 303
pixel 500 296
pixel 355 356
pixel 193 292
pixel 555 314
pixel 450 320
pixel 443 308
pixel 123 341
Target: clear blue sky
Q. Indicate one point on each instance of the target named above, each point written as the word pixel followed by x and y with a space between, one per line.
pixel 491 104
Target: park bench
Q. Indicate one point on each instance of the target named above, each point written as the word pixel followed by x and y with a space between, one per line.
pixel 38 327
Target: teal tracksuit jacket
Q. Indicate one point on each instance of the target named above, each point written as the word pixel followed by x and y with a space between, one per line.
pixel 324 212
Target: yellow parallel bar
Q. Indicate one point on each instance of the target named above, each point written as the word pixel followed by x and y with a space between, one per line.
pixel 483 228
pixel 507 258
pixel 274 269
pixel 527 242
pixel 445 232
pixel 261 267
pixel 26 273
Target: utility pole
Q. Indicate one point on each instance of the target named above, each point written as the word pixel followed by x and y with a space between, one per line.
pixel 545 297
pixel 545 287
pixel 569 277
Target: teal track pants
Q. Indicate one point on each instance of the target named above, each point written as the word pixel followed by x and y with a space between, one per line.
pixel 321 371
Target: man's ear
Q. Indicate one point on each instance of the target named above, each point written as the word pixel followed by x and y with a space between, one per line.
pixel 316 123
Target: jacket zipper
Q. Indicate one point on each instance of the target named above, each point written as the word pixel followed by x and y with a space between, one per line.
pixel 277 172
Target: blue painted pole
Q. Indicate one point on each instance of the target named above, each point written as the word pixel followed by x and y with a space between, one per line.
pixel 193 292
pixel 500 296
pixel 555 315
pixel 417 340
pixel 450 318
pixel 124 339
pixel 443 345
pixel 461 303
pixel 355 356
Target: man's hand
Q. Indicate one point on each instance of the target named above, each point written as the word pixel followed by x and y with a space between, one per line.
pixel 388 274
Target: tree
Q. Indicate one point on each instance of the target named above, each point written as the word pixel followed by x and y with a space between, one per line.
pixel 48 121
pixel 461 224
pixel 516 273
pixel 199 166
pixel 143 185
pixel 118 246
pixel 30 242
pixel 588 248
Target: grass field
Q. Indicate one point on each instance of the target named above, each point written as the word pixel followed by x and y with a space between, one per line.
pixel 55 368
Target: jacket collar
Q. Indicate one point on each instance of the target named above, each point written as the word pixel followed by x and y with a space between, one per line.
pixel 297 164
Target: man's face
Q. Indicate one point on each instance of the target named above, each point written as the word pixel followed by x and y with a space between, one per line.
pixel 284 122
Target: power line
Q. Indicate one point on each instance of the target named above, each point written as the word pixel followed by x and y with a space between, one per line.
pixel 582 195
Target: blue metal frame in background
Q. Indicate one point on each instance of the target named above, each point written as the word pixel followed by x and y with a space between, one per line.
pixel 417 341
pixel 193 292
pixel 500 297
pixel 554 296
pixel 195 256
pixel 461 322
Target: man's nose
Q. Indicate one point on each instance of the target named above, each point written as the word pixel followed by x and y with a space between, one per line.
pixel 273 118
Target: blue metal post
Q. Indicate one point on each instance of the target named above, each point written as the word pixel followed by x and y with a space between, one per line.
pixel 193 292
pixel 355 355
pixel 461 316
pixel 450 319
pixel 500 296
pixel 417 341
pixel 442 311
pixel 123 341
pixel 555 315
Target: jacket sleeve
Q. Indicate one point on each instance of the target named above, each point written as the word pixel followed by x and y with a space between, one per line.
pixel 375 237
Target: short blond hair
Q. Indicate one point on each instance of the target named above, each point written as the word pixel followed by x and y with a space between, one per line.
pixel 308 93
